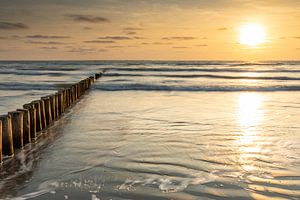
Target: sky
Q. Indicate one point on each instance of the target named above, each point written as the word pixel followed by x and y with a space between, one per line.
pixel 146 29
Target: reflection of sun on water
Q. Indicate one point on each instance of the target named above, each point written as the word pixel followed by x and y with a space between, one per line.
pixel 249 105
pixel 249 116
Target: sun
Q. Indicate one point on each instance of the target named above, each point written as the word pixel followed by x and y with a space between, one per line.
pixel 252 34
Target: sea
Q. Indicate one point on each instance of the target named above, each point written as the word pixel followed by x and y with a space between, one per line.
pixel 180 130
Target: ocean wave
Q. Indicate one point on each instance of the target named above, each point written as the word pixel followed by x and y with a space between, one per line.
pixel 281 78
pixel 165 69
pixel 157 87
pixel 31 86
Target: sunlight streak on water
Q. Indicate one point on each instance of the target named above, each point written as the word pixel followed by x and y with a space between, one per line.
pixel 250 111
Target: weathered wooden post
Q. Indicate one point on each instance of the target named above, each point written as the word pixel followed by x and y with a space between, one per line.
pixel 60 103
pixel 0 141
pixel 74 93
pixel 82 87
pixel 32 111
pixel 7 138
pixel 56 106
pixel 69 97
pixel 86 81
pixel 52 103
pixel 48 115
pixel 17 128
pixel 92 79
pixel 65 99
pixel 76 88
pixel 37 106
pixel 98 75
pixel 26 126
pixel 43 115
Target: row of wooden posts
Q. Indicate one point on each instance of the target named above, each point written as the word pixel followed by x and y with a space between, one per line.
pixel 23 126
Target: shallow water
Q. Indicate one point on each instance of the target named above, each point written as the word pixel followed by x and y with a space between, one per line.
pixel 126 139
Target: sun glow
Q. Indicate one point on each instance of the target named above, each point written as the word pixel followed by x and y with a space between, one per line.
pixel 252 34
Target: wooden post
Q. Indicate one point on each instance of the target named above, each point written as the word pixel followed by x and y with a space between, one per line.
pixel 32 111
pixel 56 106
pixel 26 126
pixel 76 88
pixel 43 115
pixel 60 103
pixel 0 142
pixel 17 128
pixel 37 106
pixel 48 115
pixel 92 79
pixel 7 138
pixel 65 99
pixel 52 103
pixel 73 93
pixel 69 97
pixel 86 82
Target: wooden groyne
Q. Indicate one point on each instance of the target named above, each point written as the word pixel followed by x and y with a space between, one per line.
pixel 23 126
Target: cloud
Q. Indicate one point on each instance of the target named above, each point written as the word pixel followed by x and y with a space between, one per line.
pixel 120 38
pixel 138 38
pixel 114 38
pixel 162 43
pixel 48 48
pixel 13 37
pixel 222 29
pixel 45 42
pixel 85 50
pixel 179 47
pixel 13 26
pixel 100 41
pixel 297 37
pixel 201 45
pixel 47 37
pixel 179 38
pixel 88 18
pixel 113 47
pixel 132 29
pixel 131 33
pixel 87 28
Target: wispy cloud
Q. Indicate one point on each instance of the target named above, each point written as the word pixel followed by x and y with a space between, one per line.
pixel 47 37
pixel 85 50
pixel 100 41
pixel 222 29
pixel 48 48
pixel 132 29
pixel 179 38
pixel 12 37
pixel 88 18
pixel 131 33
pixel 87 28
pixel 114 38
pixel 13 26
pixel 114 47
pixel 162 43
pixel 179 47
pixel 201 45
pixel 45 42
pixel 120 38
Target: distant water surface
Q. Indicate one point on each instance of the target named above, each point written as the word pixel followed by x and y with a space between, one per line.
pixel 159 130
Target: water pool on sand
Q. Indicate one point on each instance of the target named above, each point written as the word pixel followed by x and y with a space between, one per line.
pixel 165 145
